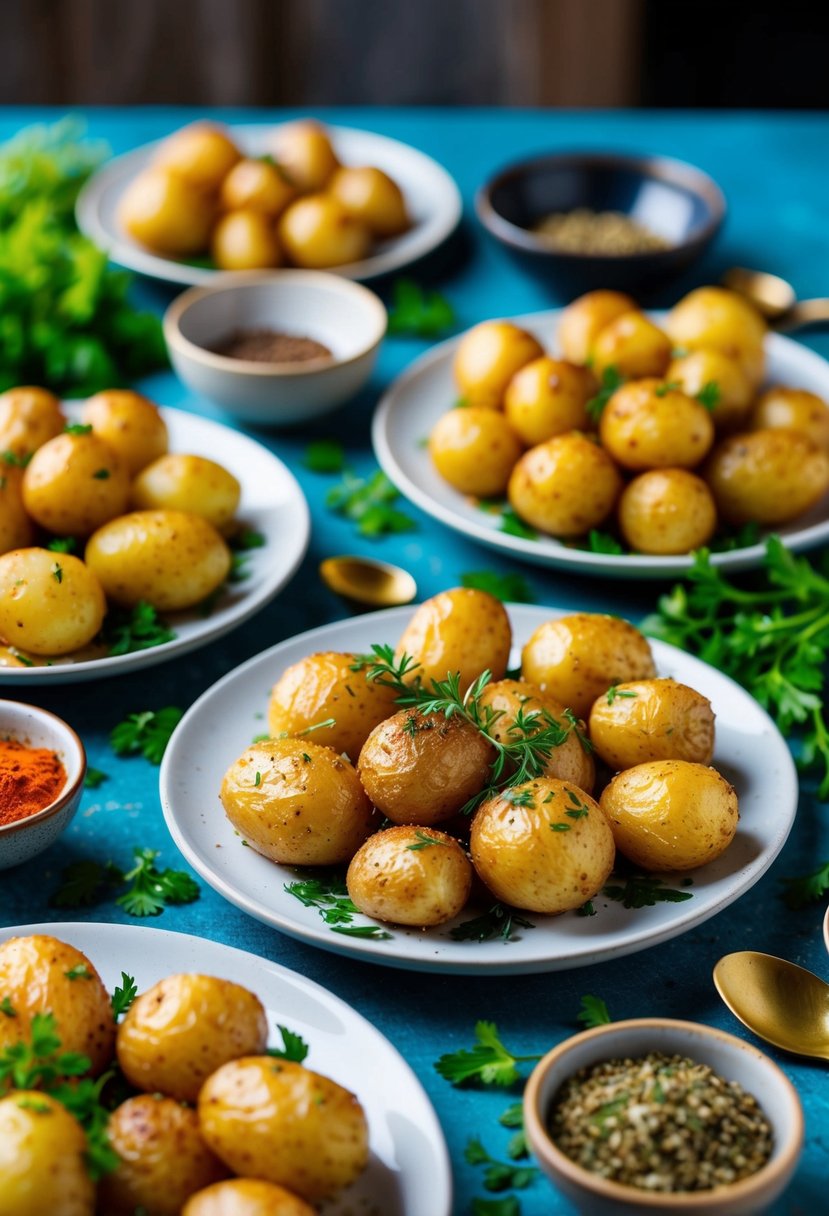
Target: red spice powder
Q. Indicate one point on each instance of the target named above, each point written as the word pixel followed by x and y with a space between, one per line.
pixel 30 779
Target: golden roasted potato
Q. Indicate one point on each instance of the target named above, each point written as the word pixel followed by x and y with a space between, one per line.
pixel 462 630
pixel 16 528
pixel 423 768
pixel 297 802
pixel 256 185
pixel 565 486
pixel 285 1124
pixel 50 603
pixel 548 397
pixel 201 154
pixel 633 345
pixel 667 511
pixel 42 1158
pixel 178 482
pixel 29 416
pixel 671 814
pixel 246 1197
pixel 487 358
pixel 316 231
pixel 795 410
pixel 130 424
pixel 474 450
pixel 652 720
pixel 767 477
pixel 715 318
pixel 584 319
pixel 544 846
pixel 372 197
pixel 517 701
pixel 182 1029
pixel 245 240
pixel 647 424
pixel 75 483
pixel 326 686
pixel 576 658
pixel 163 1158
pixel 40 974
pixel 166 213
pixel 410 876
pixel 171 559
pixel 694 372
pixel 303 150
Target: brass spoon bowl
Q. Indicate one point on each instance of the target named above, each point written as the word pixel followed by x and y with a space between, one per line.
pixel 368 582
pixel 776 299
pixel 777 1000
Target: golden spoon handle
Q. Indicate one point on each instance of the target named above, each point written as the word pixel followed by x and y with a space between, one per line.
pixel 804 313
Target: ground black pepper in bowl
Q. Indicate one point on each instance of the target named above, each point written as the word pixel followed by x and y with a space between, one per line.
pixel 271 346
pixel 661 1123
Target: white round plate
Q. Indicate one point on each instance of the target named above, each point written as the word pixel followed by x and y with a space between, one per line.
pixel 272 503
pixel 432 198
pixel 750 752
pixel 408 1172
pixel 426 390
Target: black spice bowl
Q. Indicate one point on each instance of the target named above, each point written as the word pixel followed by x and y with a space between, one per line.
pixel 674 200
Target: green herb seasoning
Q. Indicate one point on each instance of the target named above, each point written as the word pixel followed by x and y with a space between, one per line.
pixel 609 233
pixel 660 1123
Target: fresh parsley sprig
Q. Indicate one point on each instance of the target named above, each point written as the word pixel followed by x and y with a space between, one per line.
pixel 807 888
pixel 328 893
pixel 369 503
pixel 148 892
pixel 487 1061
pixel 136 628
pixel 498 921
pixel 147 733
pixel 611 380
pixel 293 1046
pixel 594 1012
pixel 418 313
pixel 499 1175
pixel 509 588
pixel 643 891
pixel 123 995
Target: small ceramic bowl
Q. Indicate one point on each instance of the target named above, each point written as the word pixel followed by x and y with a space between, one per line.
pixel 730 1057
pixel 38 728
pixel 346 317
pixel 672 199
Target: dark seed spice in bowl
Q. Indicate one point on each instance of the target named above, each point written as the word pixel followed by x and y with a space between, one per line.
pixel 660 1123
pixel 270 346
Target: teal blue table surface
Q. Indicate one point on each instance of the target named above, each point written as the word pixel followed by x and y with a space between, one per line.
pixel 775 173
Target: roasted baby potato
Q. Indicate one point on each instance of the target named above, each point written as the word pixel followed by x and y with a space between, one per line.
pixel 578 657
pixel 767 477
pixel 548 397
pixel 329 686
pixel 171 559
pixel 646 720
pixel 16 528
pixel 632 345
pixel 544 846
pixel 410 876
pixel 667 511
pixel 649 424
pixel 74 483
pixel 297 802
pixel 246 1197
pixel 285 1124
pixel 29 416
pixel 316 231
pixel 487 358
pixel 584 319
pixel 40 974
pixel 715 318
pixel 42 1158
pixel 169 215
pixel 182 1029
pixel 130 424
pixel 256 185
pixel 671 814
pixel 524 709
pixel 724 378
pixel 794 409
pixel 245 240
pixel 201 154
pixel 163 1158
pixel 371 197
pixel 565 486
pixel 304 152
pixel 50 603
pixel 178 482
pixel 461 631
pixel 474 450
pixel 423 768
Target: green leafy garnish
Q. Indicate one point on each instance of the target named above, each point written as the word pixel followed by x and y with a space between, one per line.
pixel 603 542
pixel 669 386
pixel 324 456
pixel 513 525
pixel 614 693
pixel 123 995
pixel 508 1205
pixel 293 1046
pixel 368 502
pixel 77 428
pixel 152 889
pixel 83 883
pixel 148 733
pixel 513 1117
pixel 424 841
pixel 709 395
pixel 610 381
pixel 7 1008
pixel 136 628
pixel 418 313
pixel 488 1061
pixel 94 777
pixel 62 544
pixel 593 1012
pixel 79 972
pixel 644 891
pixel 48 163
pixel 57 572
pixel 807 888
pixel 329 895
pixel 510 588
pixel 499 921
pixel 499 1175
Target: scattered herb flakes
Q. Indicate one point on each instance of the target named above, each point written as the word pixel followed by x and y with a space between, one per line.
pixel 499 921
pixel 602 542
pixel 57 572
pixel 136 628
pixel 257 781
pixel 611 379
pixel 509 588
pixel 499 1175
pixel 293 1046
pixel 94 778
pixel 123 995
pixel 324 456
pixel 7 1009
pixel 418 313
pixel 644 891
pixel 808 888
pixel 594 1012
pixel 614 693
pixel 709 395
pixel 62 544
pixel 488 1061
pixel 77 428
pixel 517 797
pixel 368 502
pixel 424 841
pixel 328 893
pixel 669 386
pixel 513 1117
pixel 79 972
pixel 513 525
pixel 148 733
pixel 248 538
pixel 587 909
pixel 727 539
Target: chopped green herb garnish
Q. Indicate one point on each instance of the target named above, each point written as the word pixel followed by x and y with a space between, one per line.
pixel 148 733
pixel 513 525
pixel 62 544
pixel 614 693
pixel 488 1061
pixel 644 891
pixel 94 777
pixel 101 474
pixel 418 313
pixel 499 921
pixel 499 1175
pixel 123 995
pixel 293 1046
pixel 136 628
pixel 593 1012
pixel 509 588
pixel 709 395
pixel 152 889
pixel 57 572
pixel 79 972
pixel 77 428
pixel 424 841
pixel 610 381
pixel 324 456
pixel 368 502
pixel 808 888
pixel 670 386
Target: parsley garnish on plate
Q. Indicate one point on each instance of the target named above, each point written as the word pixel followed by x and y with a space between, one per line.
pixel 136 628
pixel 418 313
pixel 709 395
pixel 328 893
pixel 62 544
pixel 79 972
pixel 148 733
pixel 509 588
pixel 644 891
pixel 513 525
pixel 123 995
pixel 293 1046
pixel 610 381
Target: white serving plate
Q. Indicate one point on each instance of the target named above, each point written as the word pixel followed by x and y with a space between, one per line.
pixel 750 752
pixel 426 390
pixel 272 503
pixel 432 198
pixel 408 1172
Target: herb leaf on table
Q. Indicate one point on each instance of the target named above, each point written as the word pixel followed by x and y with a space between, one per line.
pixel 369 503
pixel 807 888
pixel 148 733
pixel 324 456
pixel 507 587
pixel 418 313
pixel 594 1012
pixel 499 1175
pixel 152 889
pixel 488 1061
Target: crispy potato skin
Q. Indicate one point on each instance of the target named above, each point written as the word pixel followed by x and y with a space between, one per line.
pixel 648 425
pixel 715 318
pixel 548 397
pixel 279 1121
pixel 575 658
pixel 543 846
pixel 177 481
pixel 692 372
pixel 297 810
pixel 632 345
pixel 584 319
pixel 569 761
pixel 667 511
pixel 33 975
pixel 671 814
pixel 462 630
pixel 29 416
pixel 397 876
pixel 131 424
pixel 164 1159
pixel 768 476
pixel 487 358
pixel 652 720
pixel 564 486
pixel 246 1197
pixel 794 409
pixel 75 483
pixel 474 449
pixel 42 1167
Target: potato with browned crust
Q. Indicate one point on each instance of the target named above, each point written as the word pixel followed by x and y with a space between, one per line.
pixel 246 1197
pixel 583 320
pixel 565 486
pixel 410 876
pixel 649 424
pixel 722 378
pixel 459 632
pixel 549 397
pixel 652 720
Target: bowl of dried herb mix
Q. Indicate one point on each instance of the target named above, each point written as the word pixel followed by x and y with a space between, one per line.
pixel 659 1116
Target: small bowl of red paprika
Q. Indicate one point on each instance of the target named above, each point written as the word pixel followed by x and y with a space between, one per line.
pixel 42 769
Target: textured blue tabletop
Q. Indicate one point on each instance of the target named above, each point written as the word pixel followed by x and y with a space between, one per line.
pixel 775 173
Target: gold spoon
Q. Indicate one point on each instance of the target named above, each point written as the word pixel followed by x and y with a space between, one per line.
pixel 777 1000
pixel 368 582
pixel 776 299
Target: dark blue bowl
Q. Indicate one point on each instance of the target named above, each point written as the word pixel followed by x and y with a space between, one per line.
pixel 677 201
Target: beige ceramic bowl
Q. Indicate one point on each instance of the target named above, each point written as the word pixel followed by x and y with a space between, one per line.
pixel 346 317
pixel 727 1055
pixel 38 728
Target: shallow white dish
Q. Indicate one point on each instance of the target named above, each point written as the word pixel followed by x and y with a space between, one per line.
pixel 750 752
pixel 272 503
pixel 432 198
pixel 408 1172
pixel 414 402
